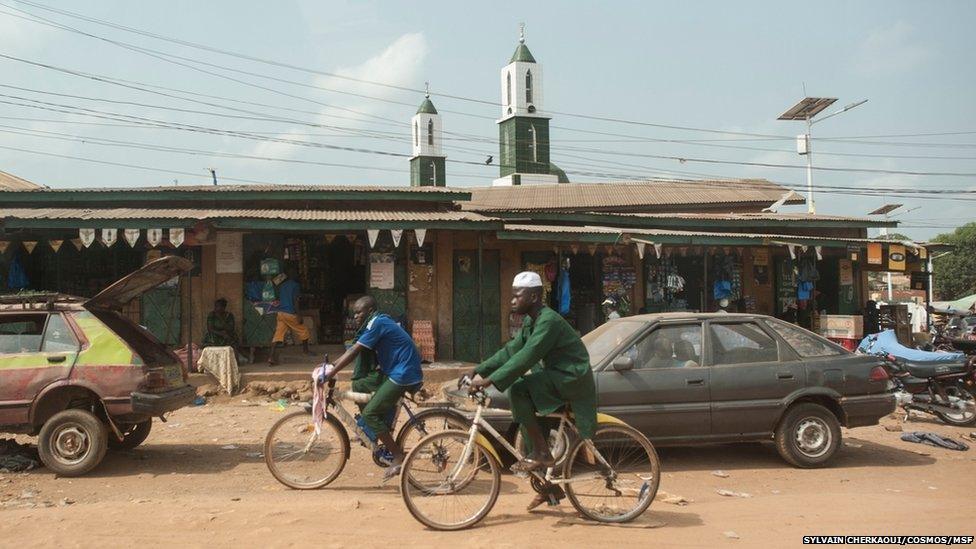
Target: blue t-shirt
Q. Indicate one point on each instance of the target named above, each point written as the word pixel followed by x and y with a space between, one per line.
pixel 287 296
pixel 395 350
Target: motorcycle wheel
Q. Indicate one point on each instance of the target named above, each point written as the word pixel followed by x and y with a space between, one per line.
pixel 962 418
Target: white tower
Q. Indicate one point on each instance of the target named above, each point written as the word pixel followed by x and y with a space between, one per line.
pixel 428 162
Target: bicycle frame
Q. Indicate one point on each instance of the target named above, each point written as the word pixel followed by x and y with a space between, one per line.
pixel 479 423
pixel 349 421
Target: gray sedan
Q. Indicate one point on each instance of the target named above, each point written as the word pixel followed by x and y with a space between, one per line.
pixel 689 378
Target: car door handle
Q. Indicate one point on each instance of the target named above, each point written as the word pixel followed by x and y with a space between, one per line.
pixel 785 375
pixel 695 381
pixel 55 359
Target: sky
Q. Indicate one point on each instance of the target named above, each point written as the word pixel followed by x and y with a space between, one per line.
pixel 621 79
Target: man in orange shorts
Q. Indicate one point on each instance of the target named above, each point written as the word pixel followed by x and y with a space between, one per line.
pixel 288 317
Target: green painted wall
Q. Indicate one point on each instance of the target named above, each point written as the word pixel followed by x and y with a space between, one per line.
pixel 516 145
pixel 421 171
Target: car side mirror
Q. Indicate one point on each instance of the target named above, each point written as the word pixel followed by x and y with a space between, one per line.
pixel 623 363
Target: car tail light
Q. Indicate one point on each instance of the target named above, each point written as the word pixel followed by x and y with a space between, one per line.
pixel 879 373
pixel 154 379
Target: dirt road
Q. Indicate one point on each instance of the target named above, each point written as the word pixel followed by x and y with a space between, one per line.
pixel 199 482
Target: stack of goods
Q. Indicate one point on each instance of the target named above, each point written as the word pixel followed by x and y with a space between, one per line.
pixel 618 279
pixel 423 336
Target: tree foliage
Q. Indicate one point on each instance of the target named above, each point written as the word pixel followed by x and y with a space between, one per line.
pixel 955 273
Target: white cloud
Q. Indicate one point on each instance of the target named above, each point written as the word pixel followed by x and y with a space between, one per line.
pixel 890 50
pixel 399 64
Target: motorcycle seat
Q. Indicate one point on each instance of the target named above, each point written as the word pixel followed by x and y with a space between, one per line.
pixel 926 370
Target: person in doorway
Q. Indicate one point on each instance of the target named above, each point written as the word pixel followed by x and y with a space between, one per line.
pixel 221 330
pixel 564 377
pixel 610 309
pixel 287 317
pixel 398 360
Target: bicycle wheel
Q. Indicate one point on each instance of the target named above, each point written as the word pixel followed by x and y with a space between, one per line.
pixel 427 422
pixel 300 459
pixel 621 492
pixel 443 492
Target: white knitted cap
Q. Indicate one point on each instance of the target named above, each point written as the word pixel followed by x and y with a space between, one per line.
pixel 527 279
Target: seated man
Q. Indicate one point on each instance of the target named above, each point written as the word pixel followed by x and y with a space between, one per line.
pixel 684 351
pixel 663 356
pixel 398 360
pixel 221 330
pixel 565 376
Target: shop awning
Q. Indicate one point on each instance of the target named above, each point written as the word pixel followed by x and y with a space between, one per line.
pixel 270 219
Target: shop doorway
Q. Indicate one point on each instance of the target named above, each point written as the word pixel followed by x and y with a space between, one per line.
pixel 472 344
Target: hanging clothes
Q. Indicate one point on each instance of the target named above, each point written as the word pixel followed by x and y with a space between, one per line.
pixel 564 293
pixel 16 276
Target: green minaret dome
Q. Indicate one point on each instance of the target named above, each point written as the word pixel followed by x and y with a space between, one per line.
pixel 427 107
pixel 523 54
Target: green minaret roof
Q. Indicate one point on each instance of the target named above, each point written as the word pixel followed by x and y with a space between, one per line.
pixel 427 107
pixel 523 54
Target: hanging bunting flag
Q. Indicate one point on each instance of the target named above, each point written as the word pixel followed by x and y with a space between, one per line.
pixel 397 234
pixel 803 249
pixel 109 236
pixel 87 237
pixel 575 248
pixel 792 249
pixel 55 244
pixel 3 246
pixel 372 235
pixel 154 237
pixel 352 238
pixel 657 250
pixel 421 234
pixel 78 243
pixel 819 250
pixel 329 238
pixel 29 245
pixel 131 236
pixel 591 248
pixel 176 237
pixel 640 249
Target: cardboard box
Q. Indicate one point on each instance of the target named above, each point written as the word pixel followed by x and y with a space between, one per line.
pixel 842 326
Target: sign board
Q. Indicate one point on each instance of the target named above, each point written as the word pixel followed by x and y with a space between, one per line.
pixel 381 272
pixel 760 256
pixel 874 254
pixel 230 252
pixel 896 257
pixel 842 326
pixel 846 272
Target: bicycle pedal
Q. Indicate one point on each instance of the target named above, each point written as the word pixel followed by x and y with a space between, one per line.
pixel 553 501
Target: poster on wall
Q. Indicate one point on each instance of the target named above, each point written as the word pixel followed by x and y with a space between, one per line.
pixel 760 256
pixel 896 257
pixel 381 271
pixel 846 272
pixel 230 252
pixel 874 253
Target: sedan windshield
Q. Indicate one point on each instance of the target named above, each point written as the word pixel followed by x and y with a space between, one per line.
pixel 601 341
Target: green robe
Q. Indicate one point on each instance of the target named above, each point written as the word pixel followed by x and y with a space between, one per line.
pixel 564 377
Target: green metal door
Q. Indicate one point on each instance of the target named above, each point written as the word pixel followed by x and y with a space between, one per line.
pixel 471 343
pixel 161 314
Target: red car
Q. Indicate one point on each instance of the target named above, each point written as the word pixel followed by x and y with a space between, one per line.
pixel 81 376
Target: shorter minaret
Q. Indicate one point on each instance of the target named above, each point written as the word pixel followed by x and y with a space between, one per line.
pixel 427 162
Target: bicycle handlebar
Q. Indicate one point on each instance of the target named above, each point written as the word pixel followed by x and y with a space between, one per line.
pixel 479 396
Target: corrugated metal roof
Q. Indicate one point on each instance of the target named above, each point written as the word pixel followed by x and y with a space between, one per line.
pixel 82 214
pixel 596 196
pixel 252 188
pixel 758 216
pixel 10 182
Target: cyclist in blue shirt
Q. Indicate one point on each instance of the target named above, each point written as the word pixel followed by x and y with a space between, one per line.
pixel 398 359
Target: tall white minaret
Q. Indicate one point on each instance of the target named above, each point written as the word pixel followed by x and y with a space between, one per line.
pixel 428 162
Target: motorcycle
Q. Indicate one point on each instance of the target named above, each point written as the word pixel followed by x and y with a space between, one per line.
pixel 943 389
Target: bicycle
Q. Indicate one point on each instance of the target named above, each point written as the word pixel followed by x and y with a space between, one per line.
pixel 303 460
pixel 457 472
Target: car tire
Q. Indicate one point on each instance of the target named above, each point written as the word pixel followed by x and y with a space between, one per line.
pixel 72 442
pixel 133 435
pixel 808 435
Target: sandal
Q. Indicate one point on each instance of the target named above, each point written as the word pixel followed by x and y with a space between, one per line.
pixel 531 464
pixel 392 472
pixel 538 500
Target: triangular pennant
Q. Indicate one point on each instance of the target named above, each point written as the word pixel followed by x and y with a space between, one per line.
pixel 421 234
pixel 87 237
pixel 154 237
pixel 55 244
pixel 131 236
pixel 3 245
pixel 177 237
pixel 109 236
pixel 372 234
pixel 792 249
pixel 609 249
pixel 78 243
pixel 803 249
pixel 657 250
pixel 329 238
pixel 640 249
pixel 351 238
pixel 575 248
pixel 819 250
pixel 397 234
pixel 29 245
pixel 591 248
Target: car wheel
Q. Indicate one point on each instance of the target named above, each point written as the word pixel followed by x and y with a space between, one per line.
pixel 133 434
pixel 72 442
pixel 808 435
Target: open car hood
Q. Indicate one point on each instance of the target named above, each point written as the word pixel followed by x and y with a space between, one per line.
pixel 134 284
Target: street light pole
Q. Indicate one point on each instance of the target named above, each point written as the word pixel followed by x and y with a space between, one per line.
pixel 811 206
